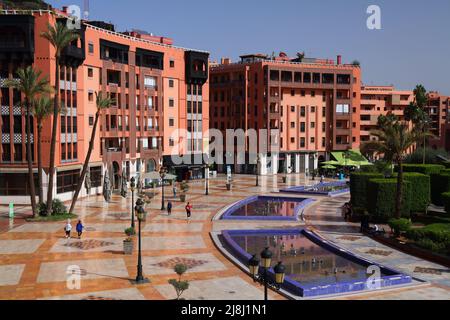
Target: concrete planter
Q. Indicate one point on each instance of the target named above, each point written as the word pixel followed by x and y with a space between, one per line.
pixel 128 247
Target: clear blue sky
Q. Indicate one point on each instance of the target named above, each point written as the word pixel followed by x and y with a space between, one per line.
pixel 412 47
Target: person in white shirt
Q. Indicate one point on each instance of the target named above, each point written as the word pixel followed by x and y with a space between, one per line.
pixel 68 228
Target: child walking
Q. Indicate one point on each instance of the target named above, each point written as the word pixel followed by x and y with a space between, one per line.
pixel 79 228
pixel 169 208
pixel 68 228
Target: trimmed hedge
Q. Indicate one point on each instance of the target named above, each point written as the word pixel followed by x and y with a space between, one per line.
pixel 358 187
pixel 440 183
pixel 446 164
pixel 422 168
pixel 446 200
pixel 381 195
pixel 421 189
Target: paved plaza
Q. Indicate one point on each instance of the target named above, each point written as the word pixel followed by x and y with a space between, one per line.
pixel 36 259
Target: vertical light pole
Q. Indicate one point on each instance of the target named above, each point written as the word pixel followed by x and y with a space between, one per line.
pixel 162 174
pixel 140 212
pixel 132 187
pixel 264 279
pixel 207 179
pixel 258 161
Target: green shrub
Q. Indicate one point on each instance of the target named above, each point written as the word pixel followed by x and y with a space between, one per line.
pixel 369 169
pixel 416 234
pixel 58 208
pixel 381 195
pixel 358 187
pixel 421 197
pixel 440 183
pixel 399 225
pixel 446 164
pixel 431 245
pixel 446 200
pixel 422 168
pixel 130 231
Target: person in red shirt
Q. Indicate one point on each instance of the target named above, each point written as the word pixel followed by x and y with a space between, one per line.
pixel 188 210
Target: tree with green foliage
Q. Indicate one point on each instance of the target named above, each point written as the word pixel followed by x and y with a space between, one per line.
pixel 102 102
pixel 31 83
pixel 415 113
pixel 43 109
pixel 394 141
pixel 60 37
pixel 179 285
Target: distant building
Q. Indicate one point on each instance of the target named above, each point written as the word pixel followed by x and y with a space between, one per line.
pixel 313 103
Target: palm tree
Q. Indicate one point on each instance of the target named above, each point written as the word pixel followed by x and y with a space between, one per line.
pixel 102 102
pixel 31 84
pixel 59 37
pixel 394 140
pixel 416 114
pixel 43 108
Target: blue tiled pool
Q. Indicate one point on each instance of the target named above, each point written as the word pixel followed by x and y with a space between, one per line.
pixel 266 208
pixel 313 266
pixel 325 188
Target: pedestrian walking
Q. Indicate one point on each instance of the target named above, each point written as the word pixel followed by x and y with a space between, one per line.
pixel 169 208
pixel 79 229
pixel 174 189
pixel 188 210
pixel 68 229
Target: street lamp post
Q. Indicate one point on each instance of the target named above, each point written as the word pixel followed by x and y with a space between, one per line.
pixel 162 174
pixel 207 180
pixel 132 188
pixel 140 212
pixel 263 278
pixel 258 160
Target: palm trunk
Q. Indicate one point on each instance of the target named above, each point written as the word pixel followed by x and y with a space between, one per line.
pixel 39 154
pixel 424 150
pixel 51 169
pixel 399 194
pixel 86 164
pixel 30 162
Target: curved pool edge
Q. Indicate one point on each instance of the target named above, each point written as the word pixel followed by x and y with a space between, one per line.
pixel 224 214
pixel 294 289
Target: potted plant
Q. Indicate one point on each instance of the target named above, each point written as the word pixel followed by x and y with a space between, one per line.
pixel 128 244
pixel 184 189
pixel 179 285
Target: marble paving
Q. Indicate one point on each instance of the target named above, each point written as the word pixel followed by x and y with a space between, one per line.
pixel 174 227
pixel 10 274
pixel 119 294
pixel 204 262
pixel 89 269
pixel 233 288
pixel 20 246
pixel 39 228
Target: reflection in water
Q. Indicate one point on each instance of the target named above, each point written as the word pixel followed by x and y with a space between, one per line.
pixel 305 261
pixel 268 207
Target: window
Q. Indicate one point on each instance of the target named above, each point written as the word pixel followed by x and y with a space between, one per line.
pixel 172 102
pixel 302 112
pixel 149 82
pixel 12 184
pixel 302 142
pixel 96 177
pixel 171 83
pixel 313 125
pixel 172 63
pixel 63 124
pixel 90 72
pixel 292 125
pixel 324 127
pixel 313 109
pixel 324 142
pixel 91 47
pixel 74 124
pixel 91 121
pixel 303 93
pixel 292 140
pixel 171 122
pixel 91 96
pixel 313 93
pixel 302 127
pixel 67 181
pixel 313 140
pixel 75 151
pixel 63 151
